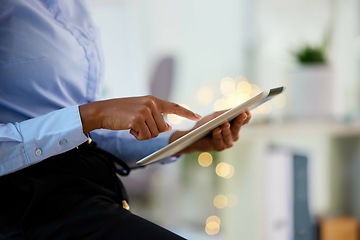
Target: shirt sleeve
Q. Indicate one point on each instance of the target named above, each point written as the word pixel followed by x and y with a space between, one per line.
pixel 127 148
pixel 31 141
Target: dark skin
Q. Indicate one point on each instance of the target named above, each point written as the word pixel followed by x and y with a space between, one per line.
pixel 143 117
pixel 221 138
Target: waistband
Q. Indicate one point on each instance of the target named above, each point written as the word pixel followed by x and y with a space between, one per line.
pixel 122 168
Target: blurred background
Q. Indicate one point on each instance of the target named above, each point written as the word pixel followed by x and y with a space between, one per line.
pixel 295 172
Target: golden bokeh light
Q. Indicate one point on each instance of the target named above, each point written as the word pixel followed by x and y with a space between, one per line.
pixel 235 99
pixel 205 95
pixel 212 226
pixel 238 90
pixel 254 90
pixel 225 170
pixel 227 86
pixel 213 218
pixel 220 104
pixel 244 87
pixel 205 159
pixel 235 91
pixel 220 201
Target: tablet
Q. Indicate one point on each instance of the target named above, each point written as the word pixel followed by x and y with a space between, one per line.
pixel 189 138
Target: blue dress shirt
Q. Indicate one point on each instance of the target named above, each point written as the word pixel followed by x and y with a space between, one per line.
pixel 50 63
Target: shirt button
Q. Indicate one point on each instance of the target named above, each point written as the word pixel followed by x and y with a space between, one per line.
pixel 63 142
pixel 38 152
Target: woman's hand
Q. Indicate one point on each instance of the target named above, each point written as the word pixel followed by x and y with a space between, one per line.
pixel 141 115
pixel 220 138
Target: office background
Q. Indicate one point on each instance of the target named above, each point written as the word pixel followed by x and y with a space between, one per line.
pixel 209 55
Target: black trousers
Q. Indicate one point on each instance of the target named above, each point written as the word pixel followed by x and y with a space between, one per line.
pixel 75 195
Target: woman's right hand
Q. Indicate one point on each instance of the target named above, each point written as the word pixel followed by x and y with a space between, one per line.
pixel 141 115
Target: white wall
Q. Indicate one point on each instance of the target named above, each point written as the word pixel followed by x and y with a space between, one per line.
pixel 205 37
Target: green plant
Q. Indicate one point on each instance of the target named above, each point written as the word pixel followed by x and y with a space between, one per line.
pixel 308 54
pixel 311 55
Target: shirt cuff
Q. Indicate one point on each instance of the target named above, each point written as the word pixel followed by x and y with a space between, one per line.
pixel 51 134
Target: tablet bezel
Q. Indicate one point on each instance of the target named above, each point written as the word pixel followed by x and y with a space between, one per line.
pixel 189 138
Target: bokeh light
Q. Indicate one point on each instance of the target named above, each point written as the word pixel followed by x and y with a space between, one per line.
pixel 225 170
pixel 205 95
pixel 213 218
pixel 227 86
pixel 220 201
pixel 205 159
pixel 212 226
pixel 244 87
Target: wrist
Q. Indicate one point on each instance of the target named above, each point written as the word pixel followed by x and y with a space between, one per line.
pixel 89 117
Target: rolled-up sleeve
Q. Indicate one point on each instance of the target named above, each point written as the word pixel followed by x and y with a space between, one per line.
pixel 25 143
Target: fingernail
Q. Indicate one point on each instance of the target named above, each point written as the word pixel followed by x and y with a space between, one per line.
pixel 227 125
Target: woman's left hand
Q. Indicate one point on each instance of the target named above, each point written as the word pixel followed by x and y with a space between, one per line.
pixel 221 138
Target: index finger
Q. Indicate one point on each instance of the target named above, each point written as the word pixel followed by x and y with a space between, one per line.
pixel 174 108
